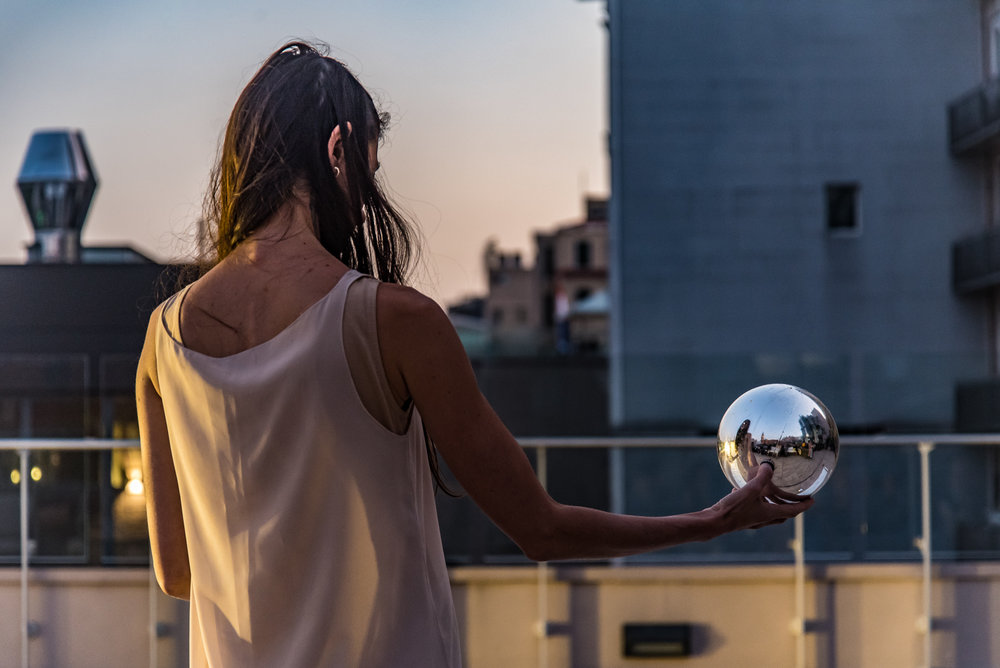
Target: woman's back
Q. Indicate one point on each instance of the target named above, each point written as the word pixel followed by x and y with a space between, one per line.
pixel 255 293
pixel 311 528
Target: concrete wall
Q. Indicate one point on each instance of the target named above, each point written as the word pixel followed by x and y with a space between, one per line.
pixel 857 615
pixel 728 119
pixel 90 618
pixel 862 616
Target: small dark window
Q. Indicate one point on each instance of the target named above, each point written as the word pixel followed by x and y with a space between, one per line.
pixel 548 261
pixel 581 294
pixel 843 207
pixel 582 254
pixel 497 316
pixel 521 314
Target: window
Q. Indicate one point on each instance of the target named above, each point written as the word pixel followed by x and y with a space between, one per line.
pixel 582 254
pixel 843 207
pixel 547 261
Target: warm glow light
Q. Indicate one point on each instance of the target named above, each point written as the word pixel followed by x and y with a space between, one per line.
pixel 15 476
pixel 36 473
pixel 134 485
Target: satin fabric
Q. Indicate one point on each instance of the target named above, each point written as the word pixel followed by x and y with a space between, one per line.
pixel 311 528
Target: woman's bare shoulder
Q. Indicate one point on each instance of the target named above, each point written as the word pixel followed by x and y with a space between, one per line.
pixel 411 320
pixel 402 305
pixel 416 337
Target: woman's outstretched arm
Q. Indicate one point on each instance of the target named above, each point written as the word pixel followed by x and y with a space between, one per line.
pixel 163 501
pixel 424 359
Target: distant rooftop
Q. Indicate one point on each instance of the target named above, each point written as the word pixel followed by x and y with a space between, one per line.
pixel 96 255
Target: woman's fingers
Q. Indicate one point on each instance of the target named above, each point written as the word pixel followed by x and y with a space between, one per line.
pixel 760 503
pixel 786 497
pixel 761 474
pixel 787 509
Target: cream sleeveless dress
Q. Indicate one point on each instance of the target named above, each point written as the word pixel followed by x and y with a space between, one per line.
pixel 311 528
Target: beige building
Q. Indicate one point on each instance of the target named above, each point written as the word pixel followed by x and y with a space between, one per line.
pixel 561 301
pixel 513 316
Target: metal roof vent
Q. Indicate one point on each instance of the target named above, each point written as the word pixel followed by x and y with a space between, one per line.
pixel 57 183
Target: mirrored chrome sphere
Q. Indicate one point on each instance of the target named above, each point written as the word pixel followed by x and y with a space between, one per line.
pixel 783 425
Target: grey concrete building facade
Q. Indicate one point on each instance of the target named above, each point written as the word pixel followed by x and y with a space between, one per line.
pixel 784 206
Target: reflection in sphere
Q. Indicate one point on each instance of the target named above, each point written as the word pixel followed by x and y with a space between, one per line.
pixel 783 425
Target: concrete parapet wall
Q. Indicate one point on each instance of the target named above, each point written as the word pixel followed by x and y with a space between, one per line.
pixel 857 615
pixel 90 618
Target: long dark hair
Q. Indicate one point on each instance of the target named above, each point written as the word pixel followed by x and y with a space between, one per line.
pixel 276 142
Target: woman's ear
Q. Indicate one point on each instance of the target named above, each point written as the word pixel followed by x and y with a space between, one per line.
pixel 335 149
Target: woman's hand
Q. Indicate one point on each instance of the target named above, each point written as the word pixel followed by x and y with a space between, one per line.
pixel 759 503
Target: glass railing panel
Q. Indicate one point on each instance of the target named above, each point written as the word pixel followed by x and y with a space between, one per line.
pixel 59 512
pixel 10 516
pixel 87 507
pixel 125 540
pixel 59 519
pixel 964 497
pixel 668 481
pixel 883 492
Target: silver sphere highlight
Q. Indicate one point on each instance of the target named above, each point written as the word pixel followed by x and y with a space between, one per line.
pixel 785 426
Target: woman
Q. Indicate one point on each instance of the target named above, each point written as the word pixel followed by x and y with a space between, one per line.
pixel 285 402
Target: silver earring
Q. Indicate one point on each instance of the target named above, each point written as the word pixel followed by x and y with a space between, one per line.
pixel 336 172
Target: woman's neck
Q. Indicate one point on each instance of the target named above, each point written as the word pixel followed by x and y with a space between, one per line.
pixel 288 232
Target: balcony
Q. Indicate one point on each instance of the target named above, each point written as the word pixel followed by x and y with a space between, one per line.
pixel 975 263
pixel 856 578
pixel 974 119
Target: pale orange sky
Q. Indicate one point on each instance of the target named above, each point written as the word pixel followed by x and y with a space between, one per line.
pixel 499 112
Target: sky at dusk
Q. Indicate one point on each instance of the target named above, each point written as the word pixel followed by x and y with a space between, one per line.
pixel 499 111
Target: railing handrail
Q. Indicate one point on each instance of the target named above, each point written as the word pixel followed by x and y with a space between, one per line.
pixel 556 442
pixel 853 440
pixel 67 443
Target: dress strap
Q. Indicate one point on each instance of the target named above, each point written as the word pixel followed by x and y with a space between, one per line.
pixel 364 358
pixel 170 317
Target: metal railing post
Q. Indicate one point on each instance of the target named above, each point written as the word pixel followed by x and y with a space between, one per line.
pixel 926 622
pixel 616 482
pixel 542 469
pixel 25 477
pixel 616 488
pixel 799 623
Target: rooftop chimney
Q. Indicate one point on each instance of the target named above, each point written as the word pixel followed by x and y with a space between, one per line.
pixel 57 183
